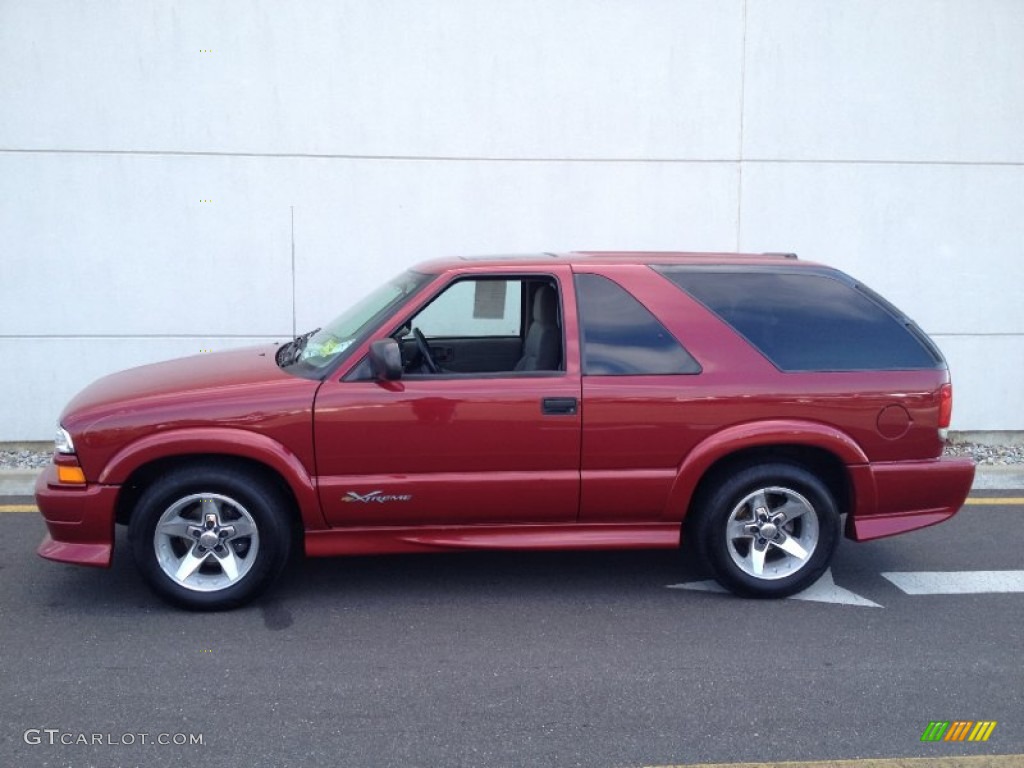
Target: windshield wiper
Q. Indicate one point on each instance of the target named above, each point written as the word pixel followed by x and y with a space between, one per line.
pixel 291 351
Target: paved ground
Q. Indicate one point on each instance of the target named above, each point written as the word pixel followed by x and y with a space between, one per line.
pixel 511 660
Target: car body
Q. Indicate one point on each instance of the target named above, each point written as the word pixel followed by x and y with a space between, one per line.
pixel 571 401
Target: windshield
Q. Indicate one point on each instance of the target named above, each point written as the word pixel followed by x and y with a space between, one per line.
pixel 324 346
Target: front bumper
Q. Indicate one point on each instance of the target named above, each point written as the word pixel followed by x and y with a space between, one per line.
pixel 80 520
pixel 900 496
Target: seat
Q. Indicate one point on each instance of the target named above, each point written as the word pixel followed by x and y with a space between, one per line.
pixel 542 350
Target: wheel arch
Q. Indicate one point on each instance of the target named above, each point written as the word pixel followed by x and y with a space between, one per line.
pixel 137 465
pixel 825 451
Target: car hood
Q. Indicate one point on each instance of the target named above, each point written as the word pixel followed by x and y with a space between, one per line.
pixel 213 374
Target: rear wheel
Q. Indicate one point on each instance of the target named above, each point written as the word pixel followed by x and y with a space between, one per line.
pixel 768 530
pixel 210 538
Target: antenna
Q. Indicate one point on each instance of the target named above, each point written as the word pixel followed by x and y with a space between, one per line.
pixel 294 330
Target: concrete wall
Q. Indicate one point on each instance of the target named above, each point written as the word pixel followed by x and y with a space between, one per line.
pixel 884 138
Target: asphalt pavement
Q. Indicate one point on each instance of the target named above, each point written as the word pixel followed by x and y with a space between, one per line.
pixel 512 659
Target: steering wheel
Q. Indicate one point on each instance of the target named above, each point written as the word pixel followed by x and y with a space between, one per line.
pixel 424 348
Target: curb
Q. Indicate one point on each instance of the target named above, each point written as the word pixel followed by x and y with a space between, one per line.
pixel 21 482
pixel 989 478
pixel 18 482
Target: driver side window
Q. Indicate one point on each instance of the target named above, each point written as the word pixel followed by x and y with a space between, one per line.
pixel 486 326
pixel 474 309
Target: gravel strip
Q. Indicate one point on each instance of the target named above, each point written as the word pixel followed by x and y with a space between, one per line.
pixel 24 459
pixel 985 455
pixel 989 455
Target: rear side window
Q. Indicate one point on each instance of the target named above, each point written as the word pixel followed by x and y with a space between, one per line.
pixel 810 322
pixel 620 335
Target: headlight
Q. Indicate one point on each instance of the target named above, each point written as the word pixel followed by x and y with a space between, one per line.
pixel 63 443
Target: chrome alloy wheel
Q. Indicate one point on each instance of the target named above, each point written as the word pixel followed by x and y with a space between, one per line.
pixel 772 533
pixel 206 542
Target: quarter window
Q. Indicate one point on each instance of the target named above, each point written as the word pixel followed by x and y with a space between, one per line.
pixel 810 321
pixel 621 336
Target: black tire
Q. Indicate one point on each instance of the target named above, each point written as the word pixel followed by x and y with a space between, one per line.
pixel 732 526
pixel 225 529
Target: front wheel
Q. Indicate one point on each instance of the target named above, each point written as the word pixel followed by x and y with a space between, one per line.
pixel 768 530
pixel 210 538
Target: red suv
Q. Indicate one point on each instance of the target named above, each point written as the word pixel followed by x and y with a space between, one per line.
pixel 573 401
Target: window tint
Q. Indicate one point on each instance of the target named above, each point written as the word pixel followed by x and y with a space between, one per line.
pixel 808 322
pixel 474 308
pixel 621 337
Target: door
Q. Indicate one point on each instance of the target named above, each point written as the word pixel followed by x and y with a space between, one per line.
pixel 643 400
pixel 459 447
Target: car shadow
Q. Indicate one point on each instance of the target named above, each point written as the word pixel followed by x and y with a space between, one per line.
pixel 447 576
pixel 492 573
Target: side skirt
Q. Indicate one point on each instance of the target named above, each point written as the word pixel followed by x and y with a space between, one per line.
pixel 382 541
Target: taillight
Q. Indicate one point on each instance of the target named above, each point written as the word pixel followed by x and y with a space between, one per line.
pixel 945 405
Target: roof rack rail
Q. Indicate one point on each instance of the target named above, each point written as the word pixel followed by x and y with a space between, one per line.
pixel 781 255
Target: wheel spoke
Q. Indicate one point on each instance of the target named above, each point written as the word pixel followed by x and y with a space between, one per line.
pixel 738 530
pixel 790 546
pixel 229 563
pixel 791 510
pixel 757 554
pixel 242 528
pixel 759 501
pixel 177 528
pixel 210 506
pixel 189 564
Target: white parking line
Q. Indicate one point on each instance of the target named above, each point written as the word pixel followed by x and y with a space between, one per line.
pixel 957 582
pixel 824 590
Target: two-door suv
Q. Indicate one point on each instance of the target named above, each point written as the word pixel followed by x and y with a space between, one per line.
pixel 575 401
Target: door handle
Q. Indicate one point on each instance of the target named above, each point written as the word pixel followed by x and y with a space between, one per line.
pixel 559 406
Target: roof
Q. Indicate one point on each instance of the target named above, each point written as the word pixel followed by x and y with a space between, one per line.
pixel 531 260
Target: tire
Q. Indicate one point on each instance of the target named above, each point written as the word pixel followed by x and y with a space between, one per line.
pixel 210 537
pixel 767 530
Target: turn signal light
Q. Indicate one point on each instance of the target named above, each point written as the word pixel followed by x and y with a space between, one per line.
pixel 72 475
pixel 945 405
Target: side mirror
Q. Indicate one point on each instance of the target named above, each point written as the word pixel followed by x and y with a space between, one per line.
pixel 386 359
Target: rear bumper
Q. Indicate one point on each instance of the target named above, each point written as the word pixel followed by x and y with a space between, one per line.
pixel 80 521
pixel 900 496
